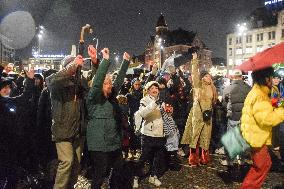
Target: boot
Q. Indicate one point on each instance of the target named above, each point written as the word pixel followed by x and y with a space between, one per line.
pixel 205 158
pixel 193 158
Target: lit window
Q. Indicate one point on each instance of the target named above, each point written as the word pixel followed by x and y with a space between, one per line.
pixel 239 62
pixel 248 50
pixel 259 48
pixel 231 62
pixel 239 51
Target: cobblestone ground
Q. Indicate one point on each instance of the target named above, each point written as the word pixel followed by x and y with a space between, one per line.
pixel 212 176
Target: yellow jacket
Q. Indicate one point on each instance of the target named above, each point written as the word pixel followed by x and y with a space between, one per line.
pixel 259 116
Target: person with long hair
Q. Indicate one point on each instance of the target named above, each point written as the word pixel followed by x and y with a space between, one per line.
pixel 205 96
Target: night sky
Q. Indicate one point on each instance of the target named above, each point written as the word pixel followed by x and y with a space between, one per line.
pixel 126 25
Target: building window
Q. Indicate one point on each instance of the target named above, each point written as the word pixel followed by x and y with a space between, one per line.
pixel 238 40
pixel 239 62
pixel 239 51
pixel 259 37
pixel 230 51
pixel 248 50
pixel 282 33
pixel 249 38
pixel 230 41
pixel 259 48
pixel 271 45
pixel 271 35
pixel 231 62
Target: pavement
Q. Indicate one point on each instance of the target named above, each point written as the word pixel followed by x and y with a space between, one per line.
pixel 213 175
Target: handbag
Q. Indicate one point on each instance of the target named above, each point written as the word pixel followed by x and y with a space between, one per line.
pixel 234 142
pixel 206 115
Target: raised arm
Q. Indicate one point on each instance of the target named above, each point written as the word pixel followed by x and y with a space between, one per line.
pixel 98 80
pixel 195 73
pixel 122 72
pixel 60 77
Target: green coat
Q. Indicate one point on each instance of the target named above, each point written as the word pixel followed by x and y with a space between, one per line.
pixel 103 131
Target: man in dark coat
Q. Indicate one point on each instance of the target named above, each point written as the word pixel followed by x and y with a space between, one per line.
pixel 13 146
pixel 233 100
pixel 68 120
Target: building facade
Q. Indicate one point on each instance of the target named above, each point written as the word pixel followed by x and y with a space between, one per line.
pixel 165 43
pixel 261 35
pixel 7 52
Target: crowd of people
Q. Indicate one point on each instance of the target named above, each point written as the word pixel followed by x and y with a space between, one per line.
pixel 111 118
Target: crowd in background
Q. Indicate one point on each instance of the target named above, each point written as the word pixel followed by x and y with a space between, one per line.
pixel 115 118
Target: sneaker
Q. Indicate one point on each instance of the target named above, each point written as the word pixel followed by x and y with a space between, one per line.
pixel 180 152
pixel 135 182
pixel 220 151
pixel 154 180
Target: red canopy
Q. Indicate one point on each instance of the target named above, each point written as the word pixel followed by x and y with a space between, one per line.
pixel 264 59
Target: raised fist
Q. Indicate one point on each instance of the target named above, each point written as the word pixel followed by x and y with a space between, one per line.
pixel 126 56
pixel 79 60
pixel 92 51
pixel 105 53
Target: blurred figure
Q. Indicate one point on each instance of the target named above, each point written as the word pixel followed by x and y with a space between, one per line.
pixel 8 68
pixel 276 93
pixel 14 143
pixel 233 100
pixel 258 118
pixel 134 97
pixel 46 148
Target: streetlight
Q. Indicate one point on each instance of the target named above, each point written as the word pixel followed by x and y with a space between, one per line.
pixel 241 31
pixel 242 28
pixel 40 36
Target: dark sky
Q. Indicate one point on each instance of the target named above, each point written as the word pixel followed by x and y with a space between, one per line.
pixel 125 25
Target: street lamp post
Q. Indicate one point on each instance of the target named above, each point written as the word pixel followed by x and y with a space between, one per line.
pixel 39 36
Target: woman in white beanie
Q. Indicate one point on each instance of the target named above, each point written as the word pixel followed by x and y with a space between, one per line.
pixel 152 139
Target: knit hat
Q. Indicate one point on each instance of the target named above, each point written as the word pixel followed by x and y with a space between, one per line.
pixel 150 84
pixel 67 60
pixel 203 73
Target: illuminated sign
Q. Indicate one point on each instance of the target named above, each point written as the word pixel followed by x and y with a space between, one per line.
pixel 272 2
